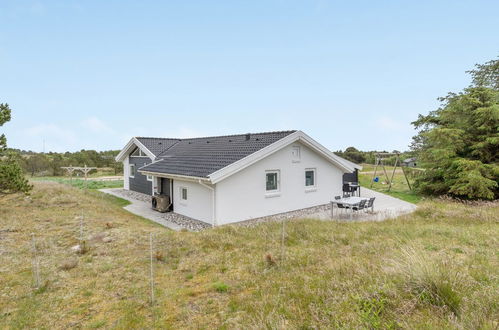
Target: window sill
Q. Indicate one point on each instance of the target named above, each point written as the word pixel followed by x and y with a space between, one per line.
pixel 272 195
pixel 309 190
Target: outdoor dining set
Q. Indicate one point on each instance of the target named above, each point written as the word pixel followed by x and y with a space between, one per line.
pixel 352 204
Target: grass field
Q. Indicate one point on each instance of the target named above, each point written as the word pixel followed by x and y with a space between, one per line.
pixel 436 268
pixel 80 183
pixel 399 188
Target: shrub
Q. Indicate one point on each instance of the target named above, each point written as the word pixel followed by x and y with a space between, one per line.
pixel 431 281
pixel 270 260
pixel 12 177
pixel 159 256
pixel 220 287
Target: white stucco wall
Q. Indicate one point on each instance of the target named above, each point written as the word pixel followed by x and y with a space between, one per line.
pixel 242 196
pixel 199 204
pixel 126 174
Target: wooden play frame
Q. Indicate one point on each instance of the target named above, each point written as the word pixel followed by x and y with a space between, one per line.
pixel 70 170
pixel 380 157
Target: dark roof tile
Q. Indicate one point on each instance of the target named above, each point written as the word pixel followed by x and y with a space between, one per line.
pixel 200 157
pixel 157 145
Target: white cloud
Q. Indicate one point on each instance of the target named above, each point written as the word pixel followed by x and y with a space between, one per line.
pixel 96 125
pixel 54 137
pixel 50 130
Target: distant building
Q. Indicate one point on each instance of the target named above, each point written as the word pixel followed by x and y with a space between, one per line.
pixel 409 162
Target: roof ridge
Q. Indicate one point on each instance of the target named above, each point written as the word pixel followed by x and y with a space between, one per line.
pixel 218 136
pixel 151 137
pixel 243 134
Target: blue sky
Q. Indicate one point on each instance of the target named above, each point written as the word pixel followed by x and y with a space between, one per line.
pixel 91 74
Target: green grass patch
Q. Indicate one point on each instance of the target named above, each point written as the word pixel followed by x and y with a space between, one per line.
pixel 121 202
pixel 399 188
pixel 220 287
pixel 82 184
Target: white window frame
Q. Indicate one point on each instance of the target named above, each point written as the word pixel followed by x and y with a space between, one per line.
pixel 296 154
pixel 274 191
pixel 314 171
pixel 181 193
pixel 130 171
pixel 148 177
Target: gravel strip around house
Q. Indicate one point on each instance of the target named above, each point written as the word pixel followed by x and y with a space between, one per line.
pixel 186 222
pixel 298 214
pixel 133 195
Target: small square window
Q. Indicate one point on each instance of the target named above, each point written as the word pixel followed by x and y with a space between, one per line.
pixel 272 181
pixel 310 178
pixel 149 178
pixel 132 171
pixel 183 194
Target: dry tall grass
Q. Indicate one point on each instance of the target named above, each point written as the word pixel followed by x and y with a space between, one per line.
pixel 436 268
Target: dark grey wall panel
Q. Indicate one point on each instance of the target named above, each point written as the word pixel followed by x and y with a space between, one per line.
pixel 140 183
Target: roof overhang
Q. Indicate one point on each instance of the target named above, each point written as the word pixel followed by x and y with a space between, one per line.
pixel 297 136
pixel 134 142
pixel 175 176
pixel 352 164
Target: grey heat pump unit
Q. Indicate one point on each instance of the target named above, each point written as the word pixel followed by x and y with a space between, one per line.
pixel 161 203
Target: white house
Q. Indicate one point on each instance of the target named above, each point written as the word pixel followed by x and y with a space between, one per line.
pixel 227 179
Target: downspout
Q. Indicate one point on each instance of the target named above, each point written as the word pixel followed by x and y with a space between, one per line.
pixel 212 199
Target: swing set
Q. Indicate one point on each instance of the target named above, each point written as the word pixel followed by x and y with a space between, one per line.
pixel 380 161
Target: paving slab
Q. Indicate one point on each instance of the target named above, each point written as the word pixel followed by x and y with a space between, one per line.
pixel 385 207
pixel 143 209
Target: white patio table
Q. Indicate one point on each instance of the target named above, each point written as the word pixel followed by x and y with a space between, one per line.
pixel 349 202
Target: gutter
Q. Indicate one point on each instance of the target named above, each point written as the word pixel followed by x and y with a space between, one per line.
pixel 213 201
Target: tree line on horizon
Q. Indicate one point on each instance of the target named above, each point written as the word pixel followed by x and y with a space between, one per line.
pixel 51 163
pixel 369 157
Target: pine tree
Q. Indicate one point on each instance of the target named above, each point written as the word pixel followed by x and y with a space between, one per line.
pixel 458 144
pixel 11 174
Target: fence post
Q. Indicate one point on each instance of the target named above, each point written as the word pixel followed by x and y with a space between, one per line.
pixel 36 264
pixel 282 239
pixel 81 231
pixel 151 270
